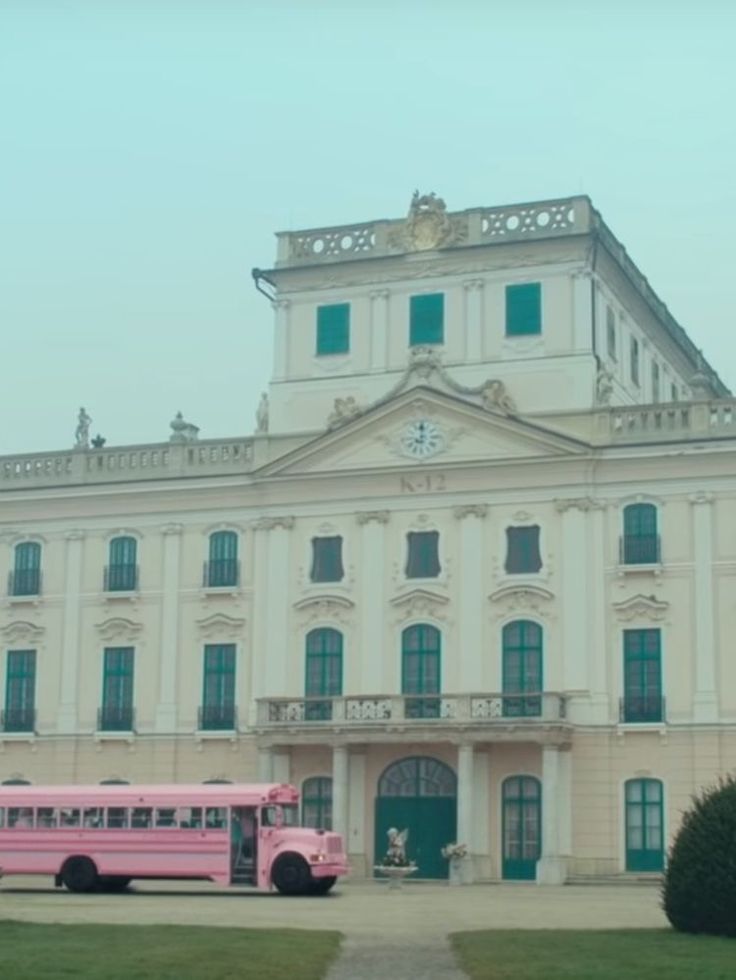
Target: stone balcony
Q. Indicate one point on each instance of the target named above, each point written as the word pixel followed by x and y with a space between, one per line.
pixel 534 717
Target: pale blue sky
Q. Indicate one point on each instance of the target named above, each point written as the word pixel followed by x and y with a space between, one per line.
pixel 150 148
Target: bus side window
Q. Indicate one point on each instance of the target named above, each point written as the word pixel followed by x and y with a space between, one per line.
pixel 117 817
pixel 215 817
pixel 2 817
pixel 190 817
pixel 47 816
pixel 93 817
pixel 20 816
pixel 165 817
pixel 141 816
pixel 69 817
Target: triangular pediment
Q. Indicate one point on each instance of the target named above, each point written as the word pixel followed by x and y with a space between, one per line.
pixel 423 428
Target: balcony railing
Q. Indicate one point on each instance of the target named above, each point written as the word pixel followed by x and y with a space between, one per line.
pixel 221 573
pixel 121 578
pixel 641 708
pixel 217 718
pixel 115 719
pixel 476 709
pixel 18 720
pixel 24 581
pixel 641 550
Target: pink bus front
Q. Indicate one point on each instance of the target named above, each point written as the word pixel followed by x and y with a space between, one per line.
pixel 101 837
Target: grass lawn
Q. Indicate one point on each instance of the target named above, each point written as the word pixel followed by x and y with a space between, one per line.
pixel 639 954
pixel 29 951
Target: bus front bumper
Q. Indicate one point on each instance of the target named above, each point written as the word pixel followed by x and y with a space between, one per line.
pixel 329 869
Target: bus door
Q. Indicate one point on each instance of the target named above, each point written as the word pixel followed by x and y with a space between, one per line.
pixel 243 850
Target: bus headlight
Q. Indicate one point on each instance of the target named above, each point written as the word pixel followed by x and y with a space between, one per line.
pixel 317 858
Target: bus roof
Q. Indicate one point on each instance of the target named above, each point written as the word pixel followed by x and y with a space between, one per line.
pixel 173 794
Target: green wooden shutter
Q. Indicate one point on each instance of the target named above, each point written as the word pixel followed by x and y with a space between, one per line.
pixel 426 319
pixel 327 560
pixel 122 570
pixel 522 550
pixel 523 309
pixel 642 676
pixel 420 670
pixel 26 578
pixel 644 825
pixel 522 827
pixel 522 668
pixel 317 803
pixel 20 691
pixel 323 672
pixel 641 540
pixel 333 328
pixel 422 554
pixel 223 566
pixel 117 689
pixel 218 701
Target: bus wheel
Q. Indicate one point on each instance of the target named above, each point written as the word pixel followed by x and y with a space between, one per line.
pixel 79 874
pixel 321 886
pixel 291 875
pixel 112 883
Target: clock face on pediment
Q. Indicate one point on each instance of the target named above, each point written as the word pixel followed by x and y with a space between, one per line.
pixel 421 439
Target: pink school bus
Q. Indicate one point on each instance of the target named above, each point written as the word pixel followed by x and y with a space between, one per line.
pixel 101 837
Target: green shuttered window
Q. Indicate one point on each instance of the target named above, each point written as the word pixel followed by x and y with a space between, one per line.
pixel 422 559
pixel 427 319
pixel 20 692
pixel 327 560
pixel 333 329
pixel 218 700
pixel 523 309
pixel 117 690
pixel 642 676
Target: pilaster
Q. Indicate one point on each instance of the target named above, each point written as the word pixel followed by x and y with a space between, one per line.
pixel 473 289
pixel 70 643
pixel 465 776
pixel 166 707
pixel 556 809
pixel 372 599
pixel 340 790
pixel 470 599
pixel 705 700
pixel 379 329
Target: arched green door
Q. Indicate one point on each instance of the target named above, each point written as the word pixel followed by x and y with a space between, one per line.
pixel 419 794
pixel 644 825
pixel 522 827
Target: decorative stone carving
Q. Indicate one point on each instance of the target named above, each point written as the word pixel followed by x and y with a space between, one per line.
pixel 118 628
pixel 81 433
pixel 344 410
pixel 182 431
pixel 495 398
pixel 262 414
pixel 22 631
pixel 579 503
pixel 523 598
pixel 522 517
pixel 74 535
pixel 325 608
pixel 642 607
pixel 271 523
pixel 219 625
pixel 420 603
pixel 168 529
pixel 603 386
pixel 470 510
pixel 372 516
pixel 701 497
pixel 427 225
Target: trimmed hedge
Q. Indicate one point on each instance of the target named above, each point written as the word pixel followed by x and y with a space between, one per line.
pixel 699 891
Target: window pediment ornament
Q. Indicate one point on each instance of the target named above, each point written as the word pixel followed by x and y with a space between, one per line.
pixel 522 598
pixel 420 602
pixel 22 631
pixel 118 628
pixel 325 607
pixel 642 607
pixel 221 625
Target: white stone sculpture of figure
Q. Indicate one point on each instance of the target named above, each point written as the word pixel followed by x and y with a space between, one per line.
pixel 396 853
pixel 495 398
pixel 344 410
pixel 81 435
pixel 262 414
pixel 603 386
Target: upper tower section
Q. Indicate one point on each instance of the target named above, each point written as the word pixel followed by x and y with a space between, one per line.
pixel 540 297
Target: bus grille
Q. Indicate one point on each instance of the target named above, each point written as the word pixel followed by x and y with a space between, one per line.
pixel 334 844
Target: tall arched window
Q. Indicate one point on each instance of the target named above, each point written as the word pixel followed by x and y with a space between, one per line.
pixel 121 574
pixel 317 803
pixel 26 576
pixel 223 568
pixel 323 676
pixel 522 668
pixel 640 543
pixel 644 825
pixel 420 670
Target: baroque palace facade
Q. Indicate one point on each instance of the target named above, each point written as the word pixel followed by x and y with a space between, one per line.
pixel 473 574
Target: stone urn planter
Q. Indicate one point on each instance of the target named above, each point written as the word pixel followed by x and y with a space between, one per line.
pixel 395 874
pixel 456 855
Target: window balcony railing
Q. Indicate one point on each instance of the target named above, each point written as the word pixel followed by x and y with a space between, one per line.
pixel 217 718
pixel 24 581
pixel 641 708
pixel 114 718
pixel 121 578
pixel 221 573
pixel 18 720
pixel 363 711
pixel 641 550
